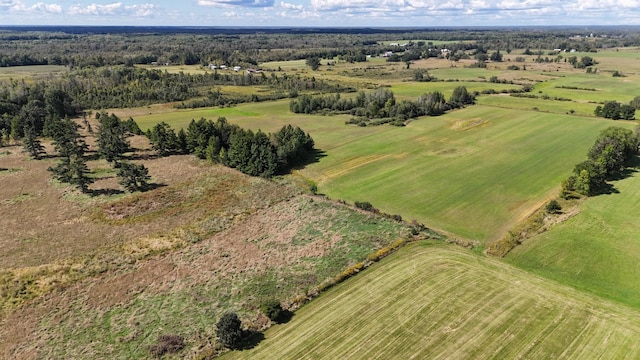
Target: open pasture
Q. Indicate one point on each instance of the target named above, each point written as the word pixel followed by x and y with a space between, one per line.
pixel 440 302
pixel 598 250
pixel 33 72
pixel 472 172
pixel 596 88
pixel 411 90
pixel 549 106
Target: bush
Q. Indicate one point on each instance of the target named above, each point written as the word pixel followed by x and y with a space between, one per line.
pixel 553 207
pixel 229 330
pixel 366 206
pixel 273 310
pixel 167 344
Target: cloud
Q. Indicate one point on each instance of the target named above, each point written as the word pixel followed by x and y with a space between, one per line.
pixel 17 6
pixel 290 6
pixel 237 3
pixel 142 10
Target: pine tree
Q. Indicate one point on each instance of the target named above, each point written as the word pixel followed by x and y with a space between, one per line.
pixel 71 147
pixel 31 143
pixel 134 177
pixel 112 140
pixel 163 139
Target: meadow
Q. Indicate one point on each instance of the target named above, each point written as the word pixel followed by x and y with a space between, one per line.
pixel 454 172
pixel 29 73
pixel 462 306
pixel 597 250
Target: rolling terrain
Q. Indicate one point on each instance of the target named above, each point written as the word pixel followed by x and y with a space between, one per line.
pixel 441 302
pixel 105 274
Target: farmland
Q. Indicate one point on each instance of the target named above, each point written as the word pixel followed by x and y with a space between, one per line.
pixel 104 273
pixel 435 170
pixel 462 306
pixel 596 250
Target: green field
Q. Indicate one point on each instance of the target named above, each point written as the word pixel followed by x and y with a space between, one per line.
pixel 441 302
pixel 597 250
pixel 472 172
pixel 31 72
pixel 412 90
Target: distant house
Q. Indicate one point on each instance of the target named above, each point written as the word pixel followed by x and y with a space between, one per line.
pixel 387 54
pixel 254 71
pixel 237 68
pixel 213 67
pixel 223 67
pixel 394 44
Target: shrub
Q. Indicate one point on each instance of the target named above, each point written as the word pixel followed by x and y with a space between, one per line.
pixel 553 207
pixel 167 344
pixel 365 205
pixel 273 310
pixel 229 330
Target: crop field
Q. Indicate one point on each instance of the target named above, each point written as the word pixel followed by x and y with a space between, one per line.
pixel 34 72
pixel 597 250
pixel 538 104
pixel 439 302
pixel 454 172
pixel 412 90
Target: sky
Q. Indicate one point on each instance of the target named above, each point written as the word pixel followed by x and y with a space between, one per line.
pixel 323 13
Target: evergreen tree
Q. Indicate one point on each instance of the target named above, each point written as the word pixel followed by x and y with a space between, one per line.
pixel 134 177
pixel 112 140
pixel 72 167
pixel 163 139
pixel 31 143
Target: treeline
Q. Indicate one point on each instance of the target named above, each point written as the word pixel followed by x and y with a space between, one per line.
pixel 613 150
pixel 120 87
pixel 615 111
pixel 249 48
pixel 381 104
pixel 253 153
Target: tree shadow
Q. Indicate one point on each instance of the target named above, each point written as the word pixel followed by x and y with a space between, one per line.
pixel 312 158
pixel 143 157
pixel 109 192
pixel 106 192
pixel 285 317
pixel 153 186
pixel 251 339
pixel 318 154
pixel 606 189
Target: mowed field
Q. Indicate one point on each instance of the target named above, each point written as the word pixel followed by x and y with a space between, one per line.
pixel 34 72
pixel 472 172
pixel 441 302
pixel 598 250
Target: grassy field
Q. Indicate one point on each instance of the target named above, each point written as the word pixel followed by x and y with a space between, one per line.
pixel 34 72
pixel 103 276
pixel 454 172
pixel 441 302
pixel 598 250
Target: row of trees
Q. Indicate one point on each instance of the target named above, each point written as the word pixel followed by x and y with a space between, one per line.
pixel 382 104
pixel 613 150
pixel 118 87
pixel 253 153
pixel 615 111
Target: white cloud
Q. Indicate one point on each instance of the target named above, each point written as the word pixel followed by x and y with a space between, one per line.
pixel 290 6
pixel 240 3
pixel 20 6
pixel 142 10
